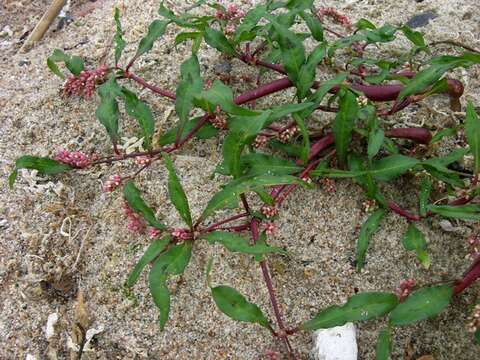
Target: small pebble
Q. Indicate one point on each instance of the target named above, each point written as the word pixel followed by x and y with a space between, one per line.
pixel 421 19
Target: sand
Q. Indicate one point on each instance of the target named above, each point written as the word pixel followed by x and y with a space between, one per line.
pixel 41 266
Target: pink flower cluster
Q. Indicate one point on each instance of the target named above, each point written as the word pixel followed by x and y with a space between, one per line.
pixel 269 211
pixel 474 320
pixel 181 234
pixel 112 183
pixel 135 223
pixel 474 245
pixel 287 134
pixel 270 228
pixel 143 160
pixel 404 289
pixel 84 84
pixel 219 121
pixel 329 185
pixel 335 15
pixel 73 158
pixel 153 233
pixel 260 141
pixel 232 12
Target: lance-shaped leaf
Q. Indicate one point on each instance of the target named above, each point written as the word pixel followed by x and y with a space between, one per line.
pixel 472 132
pixel 175 260
pixel 422 304
pixel 44 166
pixel 222 95
pixel 306 75
pixel 366 232
pixel 344 122
pixel 415 37
pixel 413 240
pixel 150 254
pixel 423 79
pixel 265 164
pixel 305 137
pixel 392 167
pixel 292 50
pixel 465 212
pixel 158 289
pixel 359 307
pixel 233 146
pixel 107 111
pixel 155 30
pixel 74 64
pixel 425 190
pixel 135 201
pixel 235 306
pixel 177 195
pixel 383 348
pixel 245 184
pixel 375 141
pixel 217 40
pixel 237 243
pixel 118 38
pixel 142 113
pixel 190 86
pixel 281 111
pixel 314 25
pixel 249 22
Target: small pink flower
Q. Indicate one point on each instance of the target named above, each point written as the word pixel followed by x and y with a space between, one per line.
pixel 74 158
pixel 474 320
pixel 474 245
pixel 404 289
pixel 181 234
pixel 270 228
pixel 269 211
pixel 112 183
pixel 85 83
pixel 230 29
pixel 260 141
pixel 329 185
pixel 153 233
pixel 285 135
pixel 142 160
pixel 335 15
pixel 135 223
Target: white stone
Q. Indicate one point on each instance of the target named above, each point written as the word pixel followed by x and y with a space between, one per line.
pixel 338 343
pixel 50 327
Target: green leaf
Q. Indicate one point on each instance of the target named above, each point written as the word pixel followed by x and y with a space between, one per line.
pixel 477 336
pixel 207 131
pixel 74 64
pixel 281 111
pixel 175 260
pixel 317 97
pixel 107 111
pixel 251 19
pixel 364 24
pixel 384 345
pixel 425 190
pixel 472 132
pixel 178 20
pixel 217 40
pixel 422 304
pixel 292 50
pixel 118 38
pixel 237 243
pixel 159 291
pixel 423 79
pixel 12 178
pixel 235 306
pixel 368 229
pixel 265 164
pixel 359 307
pixel 306 74
pixel 176 193
pixel 222 95
pixel 196 36
pixel 142 113
pixel 305 138
pixel 190 86
pixel 443 133
pixel 465 212
pixel 391 167
pixel 314 25
pixel 155 31
pixel 375 142
pixel 44 165
pixel 343 125
pixel 413 240
pixel 415 37
pixel 134 199
pixel 245 184
pixel 150 254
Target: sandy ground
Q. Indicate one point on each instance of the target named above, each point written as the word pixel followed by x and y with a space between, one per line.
pixel 40 268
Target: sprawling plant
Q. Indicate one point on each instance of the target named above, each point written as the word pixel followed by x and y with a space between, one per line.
pixel 269 152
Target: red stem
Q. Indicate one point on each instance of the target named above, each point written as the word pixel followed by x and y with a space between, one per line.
pixel 217 224
pixel 154 88
pixel 420 135
pixel 402 212
pixel 469 277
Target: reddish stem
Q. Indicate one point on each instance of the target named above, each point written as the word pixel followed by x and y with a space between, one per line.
pixel 402 212
pixel 217 224
pixel 154 88
pixel 469 277
pixel 420 135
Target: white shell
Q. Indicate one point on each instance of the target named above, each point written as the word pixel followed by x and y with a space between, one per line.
pixel 338 343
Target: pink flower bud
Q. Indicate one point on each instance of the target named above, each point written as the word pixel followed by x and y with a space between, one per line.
pixel 270 228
